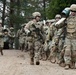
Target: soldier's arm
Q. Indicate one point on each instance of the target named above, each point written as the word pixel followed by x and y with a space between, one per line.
pixel 48 36
pixel 26 28
pixel 9 34
pixel 61 23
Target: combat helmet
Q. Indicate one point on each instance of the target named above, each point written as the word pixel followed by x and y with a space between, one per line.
pixel 73 7
pixel 58 16
pixel 35 14
pixel 11 28
pixel 66 11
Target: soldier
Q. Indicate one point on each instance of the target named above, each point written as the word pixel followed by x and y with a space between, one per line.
pixel 22 38
pixel 47 39
pixel 62 32
pixel 70 40
pixel 33 29
pixel 1 38
pixel 55 40
pixel 12 37
pixel 6 39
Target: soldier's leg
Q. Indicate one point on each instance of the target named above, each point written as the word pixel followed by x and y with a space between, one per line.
pixel 31 49
pixel 60 48
pixel 41 52
pixel 50 48
pixel 67 57
pixel 53 54
pixel 45 51
pixel 73 53
pixel 54 49
pixel 32 57
pixel 21 45
pixel 37 57
pixel 62 63
pixel 37 47
pixel 11 45
pixel 26 46
pixel 67 53
pixel 44 56
pixel 1 50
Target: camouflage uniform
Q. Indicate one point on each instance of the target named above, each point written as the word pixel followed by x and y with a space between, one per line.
pixel 47 41
pixel 33 29
pixel 70 40
pixel 60 43
pixel 1 38
pixel 54 55
pixel 22 39
pixel 12 37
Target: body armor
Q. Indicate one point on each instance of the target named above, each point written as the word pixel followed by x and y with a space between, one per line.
pixel 35 31
pixel 71 27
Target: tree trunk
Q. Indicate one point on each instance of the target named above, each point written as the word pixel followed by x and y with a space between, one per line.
pixel 11 12
pixel 44 7
pixel 3 15
pixel 17 26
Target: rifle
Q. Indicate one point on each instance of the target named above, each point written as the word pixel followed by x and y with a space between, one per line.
pixel 38 32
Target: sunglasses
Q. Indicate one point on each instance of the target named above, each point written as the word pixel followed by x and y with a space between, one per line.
pixel 72 11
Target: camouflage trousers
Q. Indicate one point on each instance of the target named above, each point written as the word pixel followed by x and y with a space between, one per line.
pixel 56 48
pixel 11 43
pixel 23 43
pixel 35 49
pixel 70 50
pixel 60 48
pixel 46 50
pixel 1 43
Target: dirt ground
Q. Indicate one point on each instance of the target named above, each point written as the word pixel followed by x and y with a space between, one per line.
pixel 15 62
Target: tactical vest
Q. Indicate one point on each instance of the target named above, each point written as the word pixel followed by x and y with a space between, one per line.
pixel 38 27
pixel 34 29
pixel 71 27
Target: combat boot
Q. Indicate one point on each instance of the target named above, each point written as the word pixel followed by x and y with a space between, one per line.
pixel 53 59
pixel 44 56
pixel 32 61
pixel 57 60
pixel 37 63
pixel 62 64
pixel 72 66
pixel 67 67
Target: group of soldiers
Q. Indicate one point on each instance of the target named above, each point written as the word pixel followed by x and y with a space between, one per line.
pixel 7 37
pixel 53 40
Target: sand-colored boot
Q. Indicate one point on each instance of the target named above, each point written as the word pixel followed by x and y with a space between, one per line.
pixel 67 67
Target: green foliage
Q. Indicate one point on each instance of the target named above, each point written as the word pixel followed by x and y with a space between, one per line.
pixel 17 19
pixel 56 6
